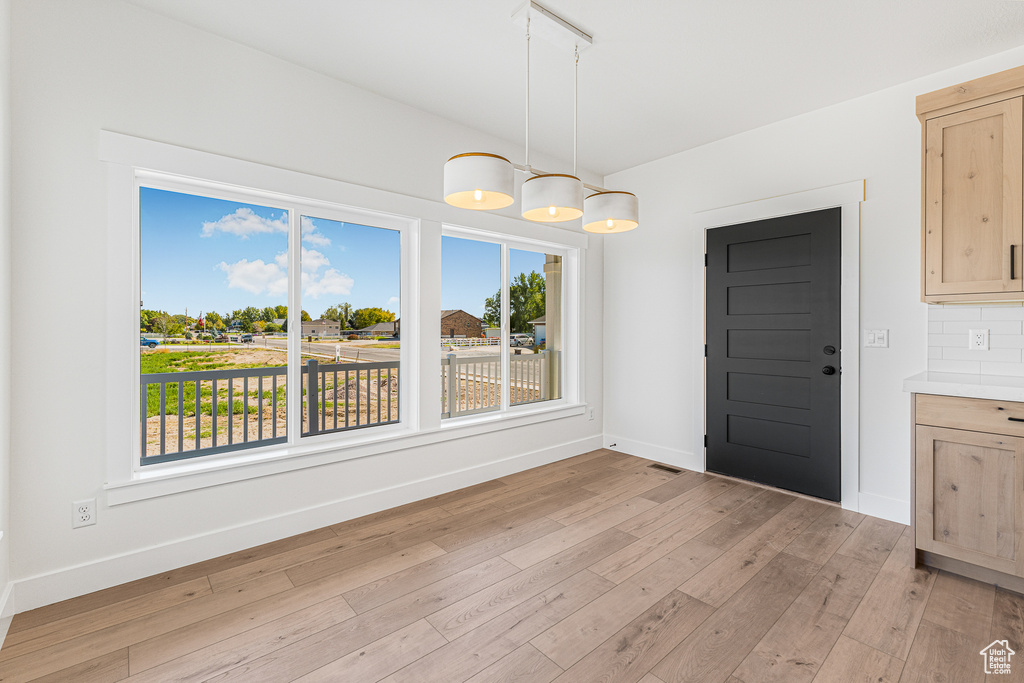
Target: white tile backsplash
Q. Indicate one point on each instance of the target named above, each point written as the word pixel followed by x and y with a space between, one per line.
pixel 947 339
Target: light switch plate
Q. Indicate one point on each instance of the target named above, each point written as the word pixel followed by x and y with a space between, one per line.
pixel 878 339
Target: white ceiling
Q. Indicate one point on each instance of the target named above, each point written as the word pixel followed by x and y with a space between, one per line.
pixel 662 75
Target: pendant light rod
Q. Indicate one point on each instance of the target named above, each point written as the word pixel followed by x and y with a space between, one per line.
pixel 527 90
pixel 575 107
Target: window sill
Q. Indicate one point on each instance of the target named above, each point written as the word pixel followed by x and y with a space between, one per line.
pixel 189 476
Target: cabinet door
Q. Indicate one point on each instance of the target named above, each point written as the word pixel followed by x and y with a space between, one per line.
pixel 973 171
pixel 969 497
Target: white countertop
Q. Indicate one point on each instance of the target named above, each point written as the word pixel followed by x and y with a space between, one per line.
pixel 997 387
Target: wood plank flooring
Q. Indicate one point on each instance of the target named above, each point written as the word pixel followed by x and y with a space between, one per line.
pixel 594 569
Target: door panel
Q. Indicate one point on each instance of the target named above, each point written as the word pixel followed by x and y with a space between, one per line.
pixel 773 313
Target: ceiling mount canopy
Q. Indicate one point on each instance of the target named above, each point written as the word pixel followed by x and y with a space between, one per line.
pixel 485 182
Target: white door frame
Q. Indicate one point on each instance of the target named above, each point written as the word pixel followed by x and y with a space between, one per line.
pixel 847 197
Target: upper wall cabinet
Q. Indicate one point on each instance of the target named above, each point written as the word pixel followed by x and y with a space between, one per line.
pixel 972 212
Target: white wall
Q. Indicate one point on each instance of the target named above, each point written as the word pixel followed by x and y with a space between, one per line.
pixel 5 312
pixel 85 66
pixel 649 273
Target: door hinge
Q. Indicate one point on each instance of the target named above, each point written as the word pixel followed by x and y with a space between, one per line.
pixel 705 260
pixel 705 350
pixel 705 441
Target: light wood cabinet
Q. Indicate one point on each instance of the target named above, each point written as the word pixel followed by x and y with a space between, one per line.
pixel 969 484
pixel 972 192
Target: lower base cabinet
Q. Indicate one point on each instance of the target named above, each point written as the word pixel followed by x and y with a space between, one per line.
pixel 970 505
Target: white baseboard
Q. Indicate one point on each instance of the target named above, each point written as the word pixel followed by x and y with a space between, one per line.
pixel 6 611
pixel 669 456
pixel 891 509
pixel 45 589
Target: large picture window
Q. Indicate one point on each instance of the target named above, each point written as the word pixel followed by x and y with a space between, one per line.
pixel 224 364
pixel 512 354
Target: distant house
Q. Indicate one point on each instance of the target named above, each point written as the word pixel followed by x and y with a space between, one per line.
pixel 280 321
pixel 458 323
pixel 540 329
pixel 379 330
pixel 321 328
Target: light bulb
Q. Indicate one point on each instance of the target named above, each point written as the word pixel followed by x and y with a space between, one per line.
pixel 552 211
pixel 478 195
pixel 610 223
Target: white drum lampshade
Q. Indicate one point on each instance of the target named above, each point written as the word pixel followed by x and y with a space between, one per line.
pixel 478 180
pixel 609 212
pixel 552 198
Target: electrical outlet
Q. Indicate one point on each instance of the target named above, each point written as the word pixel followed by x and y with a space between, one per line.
pixel 84 513
pixel 977 340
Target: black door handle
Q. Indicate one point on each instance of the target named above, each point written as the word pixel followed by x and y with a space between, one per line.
pixel 829 350
pixel 829 370
pixel 1013 261
pixel 1015 419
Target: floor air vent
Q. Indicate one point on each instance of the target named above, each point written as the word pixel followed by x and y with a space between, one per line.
pixel 665 468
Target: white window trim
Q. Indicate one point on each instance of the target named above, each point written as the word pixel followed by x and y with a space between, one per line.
pixel 128 158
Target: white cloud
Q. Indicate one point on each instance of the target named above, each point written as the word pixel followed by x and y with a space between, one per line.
pixel 256 276
pixel 313 260
pixel 392 301
pixel 332 282
pixel 259 277
pixel 311 236
pixel 245 222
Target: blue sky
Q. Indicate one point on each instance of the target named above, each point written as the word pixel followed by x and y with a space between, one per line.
pixel 208 254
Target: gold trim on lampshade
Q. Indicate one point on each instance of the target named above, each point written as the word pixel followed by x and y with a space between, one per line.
pixel 479 181
pixel 610 212
pixel 552 198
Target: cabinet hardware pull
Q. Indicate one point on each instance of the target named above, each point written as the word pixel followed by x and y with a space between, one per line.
pixel 1013 261
pixel 1015 419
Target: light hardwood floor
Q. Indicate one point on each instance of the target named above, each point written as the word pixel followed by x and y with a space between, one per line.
pixel 597 568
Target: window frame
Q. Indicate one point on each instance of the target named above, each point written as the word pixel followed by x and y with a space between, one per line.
pixel 296 208
pixel 571 306
pixel 194 171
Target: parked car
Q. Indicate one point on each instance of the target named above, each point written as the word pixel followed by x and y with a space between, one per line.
pixel 151 343
pixel 520 339
pixel 246 338
pixel 221 338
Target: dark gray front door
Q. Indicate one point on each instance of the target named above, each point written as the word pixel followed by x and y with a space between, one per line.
pixel 773 324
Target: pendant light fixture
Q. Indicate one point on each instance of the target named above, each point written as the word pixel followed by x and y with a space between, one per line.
pixel 484 182
pixel 480 181
pixel 552 197
pixel 608 212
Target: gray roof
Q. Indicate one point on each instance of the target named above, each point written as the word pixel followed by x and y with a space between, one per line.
pixel 539 321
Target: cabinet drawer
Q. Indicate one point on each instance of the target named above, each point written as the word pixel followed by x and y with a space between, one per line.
pixel 974 414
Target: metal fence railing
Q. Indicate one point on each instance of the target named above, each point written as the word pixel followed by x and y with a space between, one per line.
pixel 192 414
pixel 472 384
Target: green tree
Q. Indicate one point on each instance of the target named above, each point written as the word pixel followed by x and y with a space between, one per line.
pixel 305 317
pixel 147 319
pixel 282 311
pixel 214 322
pixel 526 302
pixel 364 317
pixel 342 313
pixel 268 314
